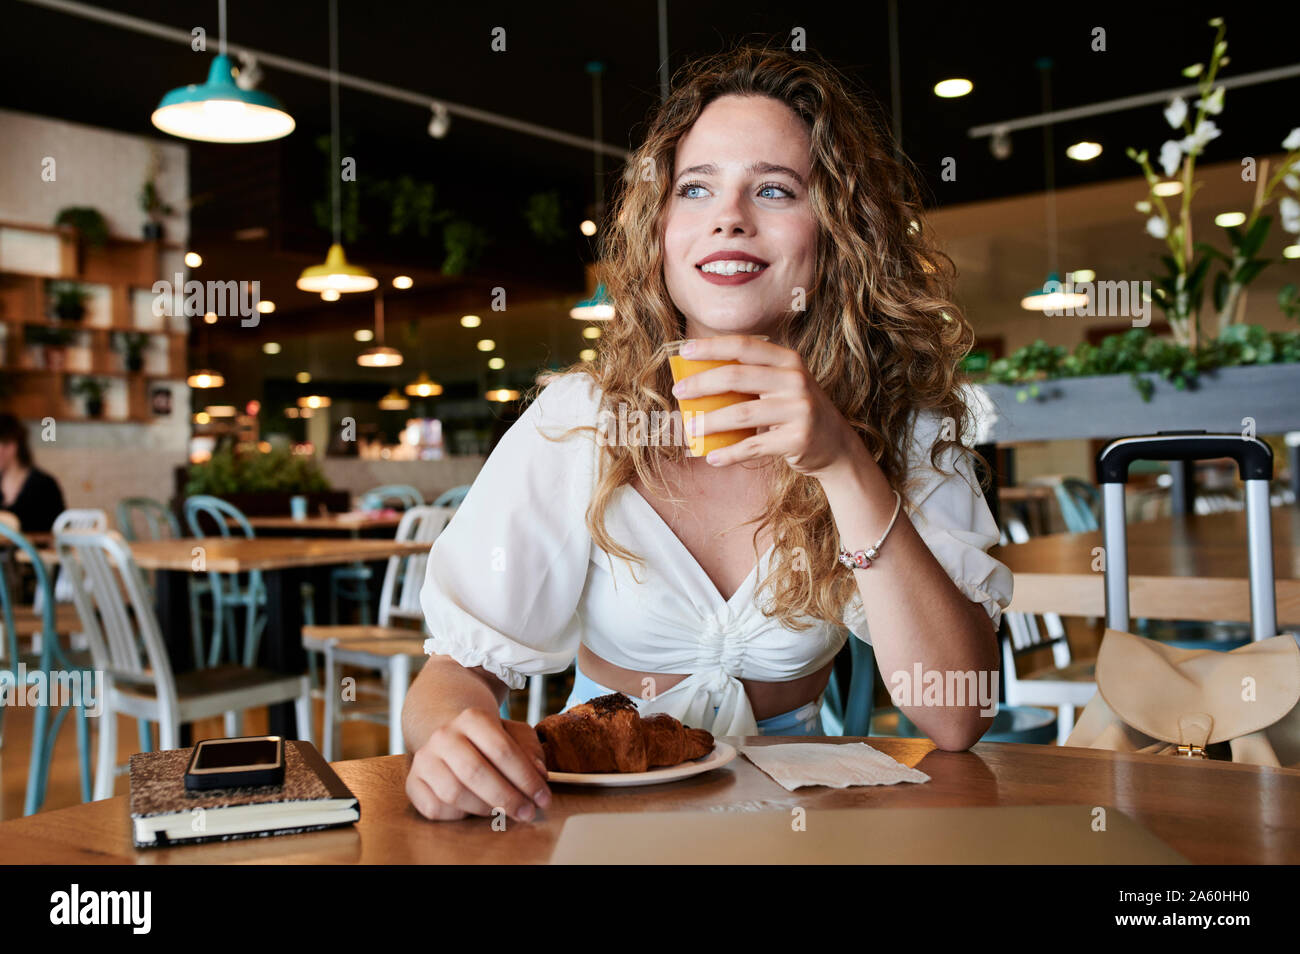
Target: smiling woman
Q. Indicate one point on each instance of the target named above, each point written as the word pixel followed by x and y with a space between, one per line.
pixel 766 218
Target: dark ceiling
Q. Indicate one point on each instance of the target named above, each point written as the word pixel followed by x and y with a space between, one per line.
pixel 58 65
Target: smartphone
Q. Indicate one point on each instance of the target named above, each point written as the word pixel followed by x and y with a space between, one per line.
pixel 235 763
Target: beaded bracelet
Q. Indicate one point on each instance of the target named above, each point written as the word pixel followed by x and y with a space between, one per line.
pixel 861 559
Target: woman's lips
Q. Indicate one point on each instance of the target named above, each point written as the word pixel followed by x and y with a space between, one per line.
pixel 737 279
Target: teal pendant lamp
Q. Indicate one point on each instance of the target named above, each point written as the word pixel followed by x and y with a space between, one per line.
pixel 219 110
pixel 599 307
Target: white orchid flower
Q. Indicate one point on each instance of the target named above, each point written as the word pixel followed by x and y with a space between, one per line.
pixel 1290 210
pixel 1292 141
pixel 1144 206
pixel 1213 103
pixel 1157 228
pixel 1205 131
pixel 1176 112
pixel 1292 182
pixel 1171 157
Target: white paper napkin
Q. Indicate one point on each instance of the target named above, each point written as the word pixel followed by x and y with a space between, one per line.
pixel 795 764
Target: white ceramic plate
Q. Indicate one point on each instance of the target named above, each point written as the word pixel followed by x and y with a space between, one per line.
pixel 722 754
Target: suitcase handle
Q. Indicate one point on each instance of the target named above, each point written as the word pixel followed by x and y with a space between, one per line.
pixel 1254 463
pixel 1254 457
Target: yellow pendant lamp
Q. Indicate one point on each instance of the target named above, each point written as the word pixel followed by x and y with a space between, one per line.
pixel 380 356
pixel 423 386
pixel 393 401
pixel 336 273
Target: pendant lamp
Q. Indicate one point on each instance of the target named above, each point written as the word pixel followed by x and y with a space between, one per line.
pixel 218 110
pixel 1052 296
pixel 380 356
pixel 336 273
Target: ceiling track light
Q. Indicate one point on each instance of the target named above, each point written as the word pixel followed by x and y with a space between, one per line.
pixel 440 122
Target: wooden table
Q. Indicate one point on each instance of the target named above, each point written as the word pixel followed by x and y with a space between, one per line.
pixel 327 523
pixel 1211 813
pixel 1193 567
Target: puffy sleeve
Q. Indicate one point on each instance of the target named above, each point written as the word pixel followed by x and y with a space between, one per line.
pixel 505 577
pixel 951 515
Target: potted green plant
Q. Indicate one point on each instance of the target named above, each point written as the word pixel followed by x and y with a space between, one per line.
pixel 90 225
pixel 92 389
pixel 52 340
pixel 151 201
pixel 68 301
pixel 131 344
pixel 262 482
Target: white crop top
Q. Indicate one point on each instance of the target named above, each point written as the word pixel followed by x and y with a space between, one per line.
pixel 515 582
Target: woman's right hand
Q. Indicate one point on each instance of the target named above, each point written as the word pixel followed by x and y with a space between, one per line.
pixel 478 763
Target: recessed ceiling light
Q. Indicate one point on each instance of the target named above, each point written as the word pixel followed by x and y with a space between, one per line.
pixel 271 347
pixel 496 364
pixel 193 259
pixel 952 88
pixel 470 321
pixel 403 281
pixel 486 344
pixel 1166 189
pixel 266 306
pixel 587 227
pixel 586 354
pixel 1228 220
pixel 363 334
pixel 302 377
pixel 1082 275
pixel 1291 251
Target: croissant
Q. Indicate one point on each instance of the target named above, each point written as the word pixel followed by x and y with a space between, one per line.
pixel 607 734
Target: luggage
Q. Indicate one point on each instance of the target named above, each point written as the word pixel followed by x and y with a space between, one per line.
pixel 1159 699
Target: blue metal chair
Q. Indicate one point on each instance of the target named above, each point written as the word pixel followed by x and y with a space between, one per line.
pixel 228 592
pixel 157 517
pixel 353 582
pixel 48 668
pixel 452 497
pixel 1080 502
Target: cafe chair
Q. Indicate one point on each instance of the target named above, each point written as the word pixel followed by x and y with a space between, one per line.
pixel 159 521
pixel 353 582
pixel 49 665
pixel 388 647
pixel 1064 685
pixel 227 591
pixel 82 519
pixel 137 680
pixel 452 497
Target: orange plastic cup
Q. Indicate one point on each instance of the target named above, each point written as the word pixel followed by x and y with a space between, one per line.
pixel 701 445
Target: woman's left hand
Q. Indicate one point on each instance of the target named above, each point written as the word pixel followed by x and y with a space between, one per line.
pixel 795 418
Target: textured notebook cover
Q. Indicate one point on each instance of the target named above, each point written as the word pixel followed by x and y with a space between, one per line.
pixel 158 788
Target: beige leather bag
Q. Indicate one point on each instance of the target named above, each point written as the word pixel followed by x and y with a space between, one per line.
pixel 1159 699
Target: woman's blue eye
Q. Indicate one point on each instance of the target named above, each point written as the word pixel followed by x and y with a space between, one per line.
pixel 684 190
pixel 777 188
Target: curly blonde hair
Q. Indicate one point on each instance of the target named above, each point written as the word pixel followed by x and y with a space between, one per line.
pixel 881 334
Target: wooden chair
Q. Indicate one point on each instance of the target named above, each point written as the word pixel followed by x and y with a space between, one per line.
pixel 399 600
pixel 137 679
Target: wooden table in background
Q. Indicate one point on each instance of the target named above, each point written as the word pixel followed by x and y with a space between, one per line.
pixel 327 523
pixel 285 563
pixel 1210 812
pixel 1193 567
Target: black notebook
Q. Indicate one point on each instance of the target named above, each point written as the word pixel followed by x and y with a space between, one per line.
pixel 163 813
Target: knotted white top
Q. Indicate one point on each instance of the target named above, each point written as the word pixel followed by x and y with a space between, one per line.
pixel 515 582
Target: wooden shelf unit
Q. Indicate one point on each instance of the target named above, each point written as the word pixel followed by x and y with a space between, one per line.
pixel 126 266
